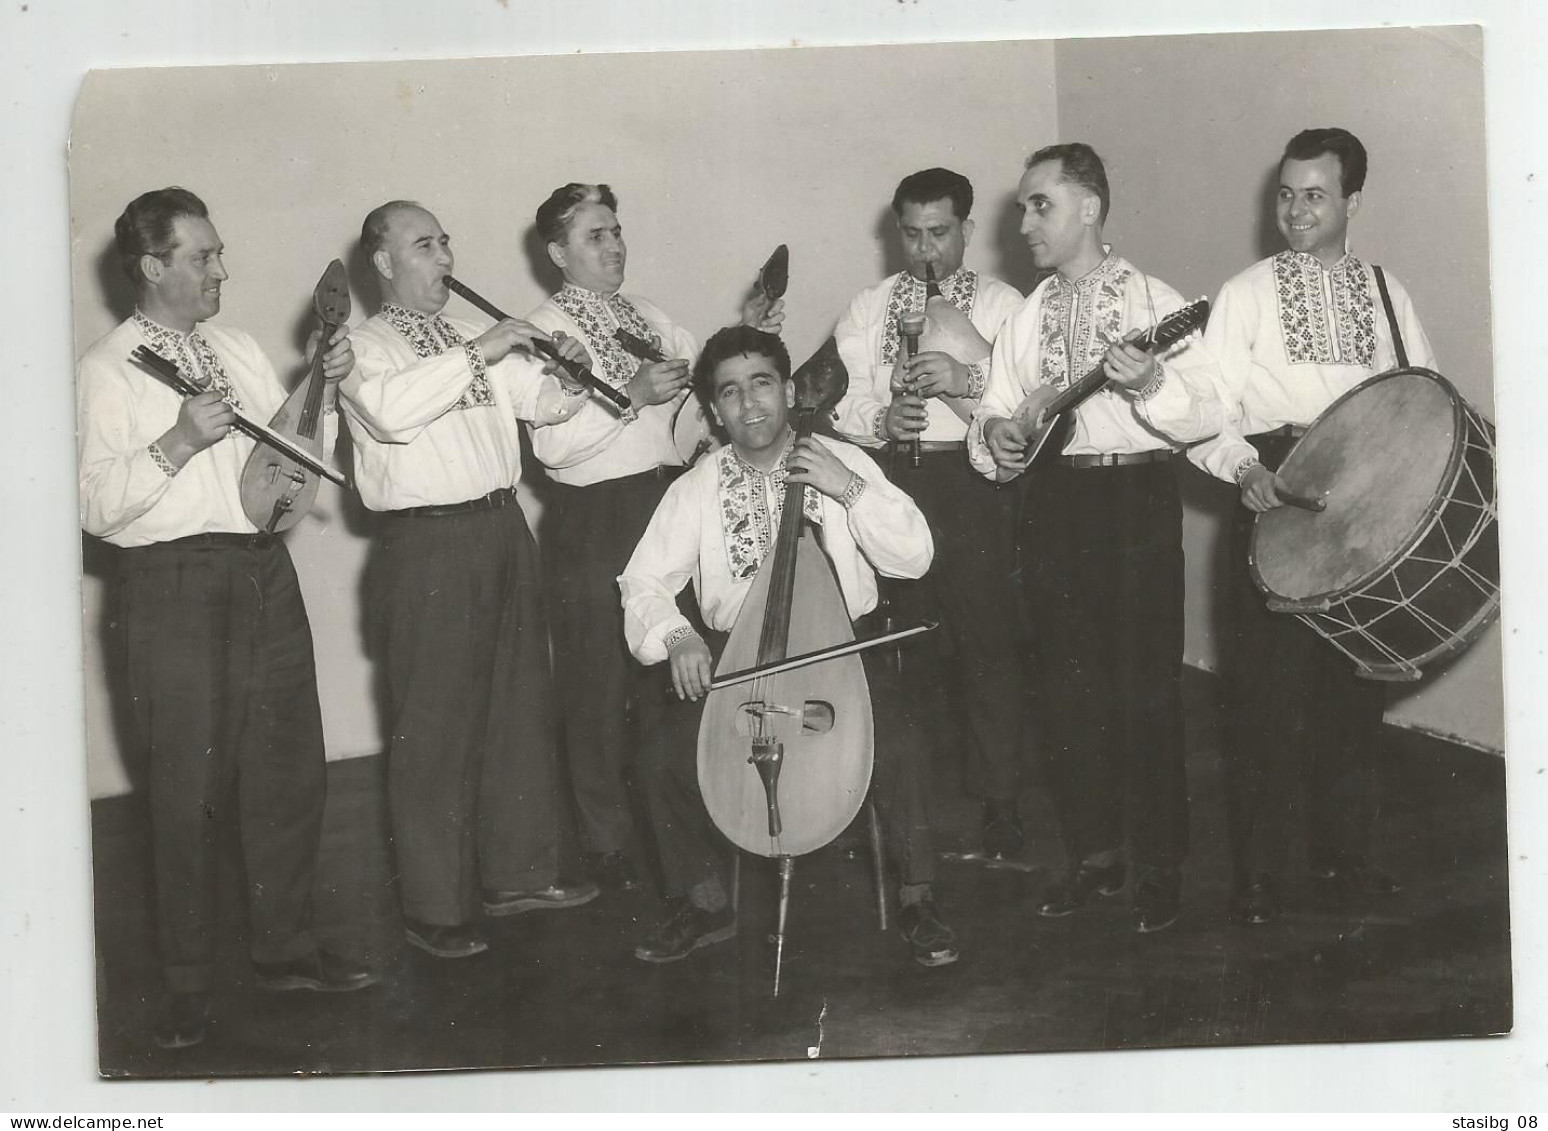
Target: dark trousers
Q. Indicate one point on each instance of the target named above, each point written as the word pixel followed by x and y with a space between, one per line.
pixel 589 534
pixel 225 699
pixel 693 851
pixel 1101 555
pixel 471 762
pixel 969 590
pixel 1302 730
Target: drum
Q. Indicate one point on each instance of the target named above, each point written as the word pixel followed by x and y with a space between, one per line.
pixel 1402 568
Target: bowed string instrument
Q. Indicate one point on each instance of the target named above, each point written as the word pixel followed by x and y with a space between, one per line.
pixel 786 741
pixel 279 480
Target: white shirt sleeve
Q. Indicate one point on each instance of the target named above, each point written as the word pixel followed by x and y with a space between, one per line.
pixel 665 560
pixel 861 404
pixel 119 479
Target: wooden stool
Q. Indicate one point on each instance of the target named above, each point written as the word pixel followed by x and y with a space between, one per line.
pixel 787 869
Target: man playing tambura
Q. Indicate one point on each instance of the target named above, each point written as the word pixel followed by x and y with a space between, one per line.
pixel 609 472
pixel 973 520
pixel 434 409
pixel 714 526
pixel 220 665
pixel 1101 539
pixel 1292 333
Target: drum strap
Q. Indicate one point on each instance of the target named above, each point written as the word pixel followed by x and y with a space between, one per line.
pixel 1386 302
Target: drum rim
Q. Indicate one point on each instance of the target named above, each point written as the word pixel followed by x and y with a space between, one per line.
pixel 1421 527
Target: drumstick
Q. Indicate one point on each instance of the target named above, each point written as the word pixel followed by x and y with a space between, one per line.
pixel 1305 502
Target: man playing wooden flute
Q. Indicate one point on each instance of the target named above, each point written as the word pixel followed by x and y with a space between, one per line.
pixel 714 526
pixel 973 520
pixel 1101 539
pixel 608 472
pixel 1292 333
pixel 434 407
pixel 220 667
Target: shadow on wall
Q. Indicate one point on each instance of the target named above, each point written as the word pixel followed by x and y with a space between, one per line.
pixel 1269 241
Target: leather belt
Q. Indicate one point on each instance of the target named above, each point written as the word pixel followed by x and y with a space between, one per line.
pixel 214 540
pixel 505 496
pixel 942 445
pixel 1117 459
pixel 1292 431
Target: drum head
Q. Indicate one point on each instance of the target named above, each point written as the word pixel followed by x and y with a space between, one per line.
pixel 1381 456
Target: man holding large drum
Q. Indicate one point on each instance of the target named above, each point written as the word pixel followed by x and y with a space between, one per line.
pixel 1291 334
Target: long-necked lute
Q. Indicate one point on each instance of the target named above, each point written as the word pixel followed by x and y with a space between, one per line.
pixel 1046 408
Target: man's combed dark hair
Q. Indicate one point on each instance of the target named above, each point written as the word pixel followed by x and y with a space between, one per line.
pixel 929 185
pixel 1308 145
pixel 1081 166
pixel 145 228
pixel 373 232
pixel 730 341
pixel 555 213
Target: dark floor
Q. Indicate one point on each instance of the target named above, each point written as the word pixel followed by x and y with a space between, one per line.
pixel 562 988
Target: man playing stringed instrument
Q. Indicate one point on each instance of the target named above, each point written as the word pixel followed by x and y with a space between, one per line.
pixel 1101 537
pixel 714 527
pixel 434 408
pixel 608 473
pixel 973 521
pixel 1293 333
pixel 220 664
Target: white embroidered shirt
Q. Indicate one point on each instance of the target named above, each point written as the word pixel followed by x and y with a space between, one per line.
pixel 1291 337
pixel 717 522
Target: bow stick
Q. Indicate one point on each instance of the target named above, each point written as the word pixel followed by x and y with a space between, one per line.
pixel 159 367
pixel 731 679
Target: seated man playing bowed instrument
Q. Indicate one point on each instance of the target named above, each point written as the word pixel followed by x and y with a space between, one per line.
pixel 699 534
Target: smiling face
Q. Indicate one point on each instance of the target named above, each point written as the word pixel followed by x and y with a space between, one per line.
pixel 752 402
pixel 413 261
pixel 592 254
pixel 932 234
pixel 1312 211
pixel 1060 220
pixel 183 287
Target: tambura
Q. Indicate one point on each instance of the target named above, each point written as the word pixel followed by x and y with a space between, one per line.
pixel 1403 566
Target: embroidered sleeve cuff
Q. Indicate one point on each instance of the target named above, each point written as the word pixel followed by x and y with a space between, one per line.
pixel 853 490
pixel 476 361
pixel 677 636
pixel 159 458
pixel 978 381
pixel 1247 464
pixel 876 424
pixel 1153 387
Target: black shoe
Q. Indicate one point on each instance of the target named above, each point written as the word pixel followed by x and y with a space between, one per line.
pixel 1002 828
pixel 685 929
pixel 319 970
pixel 1074 889
pixel 613 871
pixel 184 1022
pixel 459 941
pixel 1356 877
pixel 551 898
pixel 927 934
pixel 1257 902
pixel 1157 900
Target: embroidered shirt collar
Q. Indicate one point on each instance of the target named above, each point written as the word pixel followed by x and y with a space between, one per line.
pixel 1093 278
pixel 1307 259
pixel 574 292
pixel 159 336
pixel 401 316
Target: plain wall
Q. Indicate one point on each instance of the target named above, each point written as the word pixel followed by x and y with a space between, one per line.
pixel 716 158
pixel 1191 129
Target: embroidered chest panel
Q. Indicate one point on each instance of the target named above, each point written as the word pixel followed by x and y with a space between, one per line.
pixel 748 523
pixel 1078 321
pixel 908 294
pixel 1332 325
pixel 598 317
pixel 195 358
pixel 431 336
